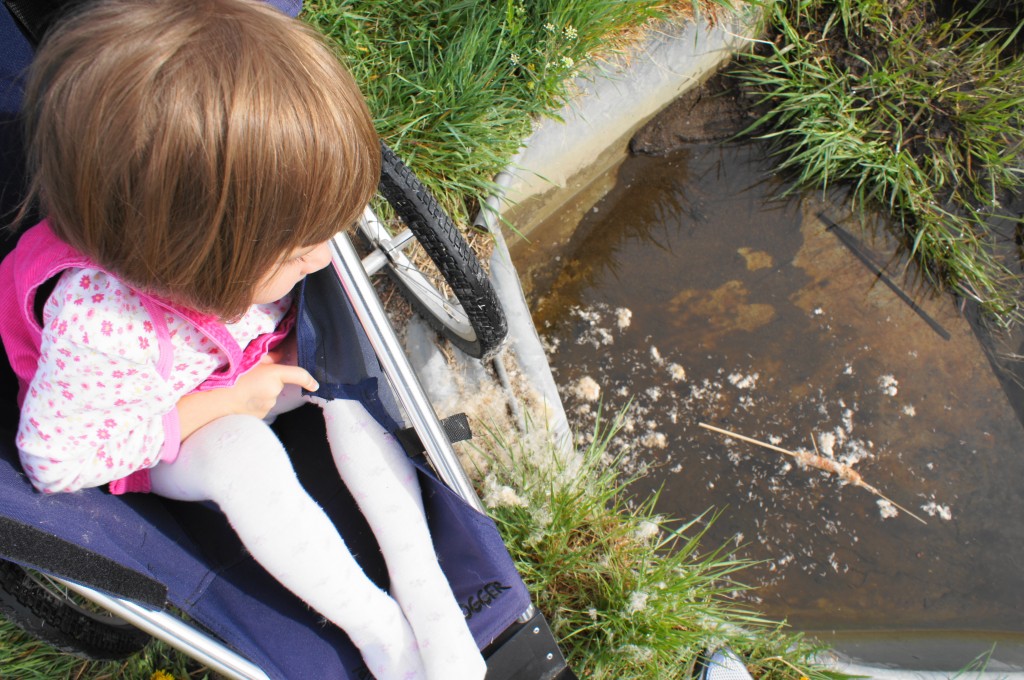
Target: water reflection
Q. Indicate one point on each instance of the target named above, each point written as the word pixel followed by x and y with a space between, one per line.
pixel 693 294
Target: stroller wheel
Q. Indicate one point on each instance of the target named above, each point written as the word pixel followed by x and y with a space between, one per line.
pixel 440 277
pixel 47 611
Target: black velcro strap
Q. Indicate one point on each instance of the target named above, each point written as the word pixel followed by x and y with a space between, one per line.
pixel 455 427
pixel 31 547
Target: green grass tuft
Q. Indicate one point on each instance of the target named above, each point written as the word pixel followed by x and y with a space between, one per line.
pixel 922 115
pixel 628 592
pixel 25 658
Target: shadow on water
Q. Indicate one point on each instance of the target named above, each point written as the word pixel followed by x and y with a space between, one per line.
pixel 692 293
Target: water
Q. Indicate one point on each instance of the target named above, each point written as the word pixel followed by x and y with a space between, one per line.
pixel 692 294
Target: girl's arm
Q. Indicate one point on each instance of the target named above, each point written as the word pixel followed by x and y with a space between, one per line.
pixel 90 417
pixel 83 427
pixel 97 408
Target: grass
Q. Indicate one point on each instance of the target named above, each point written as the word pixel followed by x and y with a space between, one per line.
pixel 920 114
pixel 24 658
pixel 455 86
pixel 629 593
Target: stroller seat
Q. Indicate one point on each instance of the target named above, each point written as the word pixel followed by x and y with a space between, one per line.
pixel 154 551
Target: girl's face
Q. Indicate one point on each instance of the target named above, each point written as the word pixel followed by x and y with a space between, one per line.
pixel 293 267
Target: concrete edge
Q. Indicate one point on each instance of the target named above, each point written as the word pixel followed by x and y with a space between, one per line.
pixel 590 134
pixel 614 99
pixel 847 666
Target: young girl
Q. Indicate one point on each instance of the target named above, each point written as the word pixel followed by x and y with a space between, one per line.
pixel 193 157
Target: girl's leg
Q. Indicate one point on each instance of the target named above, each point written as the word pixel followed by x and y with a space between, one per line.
pixel 383 482
pixel 239 463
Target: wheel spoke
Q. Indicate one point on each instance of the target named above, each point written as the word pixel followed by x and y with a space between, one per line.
pixel 409 263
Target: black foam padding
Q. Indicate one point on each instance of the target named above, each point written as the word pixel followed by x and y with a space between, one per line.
pixel 36 549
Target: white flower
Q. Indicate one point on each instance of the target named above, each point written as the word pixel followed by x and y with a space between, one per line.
pixel 637 602
pixel 498 495
pixel 647 530
pixel 569 32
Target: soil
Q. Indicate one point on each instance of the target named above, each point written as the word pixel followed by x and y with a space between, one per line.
pixel 710 112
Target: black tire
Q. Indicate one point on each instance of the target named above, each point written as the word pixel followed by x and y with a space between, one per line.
pixel 40 609
pixel 473 319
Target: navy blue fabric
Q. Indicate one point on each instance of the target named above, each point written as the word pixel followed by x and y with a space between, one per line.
pixel 474 558
pixel 14 58
pixel 190 548
pixel 80 523
pixel 336 352
pixel 15 55
pixel 289 7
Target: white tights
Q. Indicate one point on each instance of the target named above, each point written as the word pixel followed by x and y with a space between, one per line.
pixel 417 632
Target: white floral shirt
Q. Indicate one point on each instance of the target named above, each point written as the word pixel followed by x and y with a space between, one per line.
pixel 98 407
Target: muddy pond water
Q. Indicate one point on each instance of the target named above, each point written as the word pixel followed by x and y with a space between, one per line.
pixel 693 294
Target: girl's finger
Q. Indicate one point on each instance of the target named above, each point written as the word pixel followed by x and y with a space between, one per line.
pixel 294 375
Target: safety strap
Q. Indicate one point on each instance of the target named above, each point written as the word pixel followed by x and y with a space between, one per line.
pixel 31 546
pixel 456 427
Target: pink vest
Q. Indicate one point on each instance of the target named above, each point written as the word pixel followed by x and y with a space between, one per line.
pixel 40 256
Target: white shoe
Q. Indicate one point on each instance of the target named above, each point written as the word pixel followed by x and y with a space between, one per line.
pixel 724 664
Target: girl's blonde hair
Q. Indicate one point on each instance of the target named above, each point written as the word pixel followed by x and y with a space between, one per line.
pixel 188 145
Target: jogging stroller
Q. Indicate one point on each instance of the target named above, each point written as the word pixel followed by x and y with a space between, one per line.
pixel 133 555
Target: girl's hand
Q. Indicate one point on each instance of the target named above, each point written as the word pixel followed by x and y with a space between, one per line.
pixel 254 393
